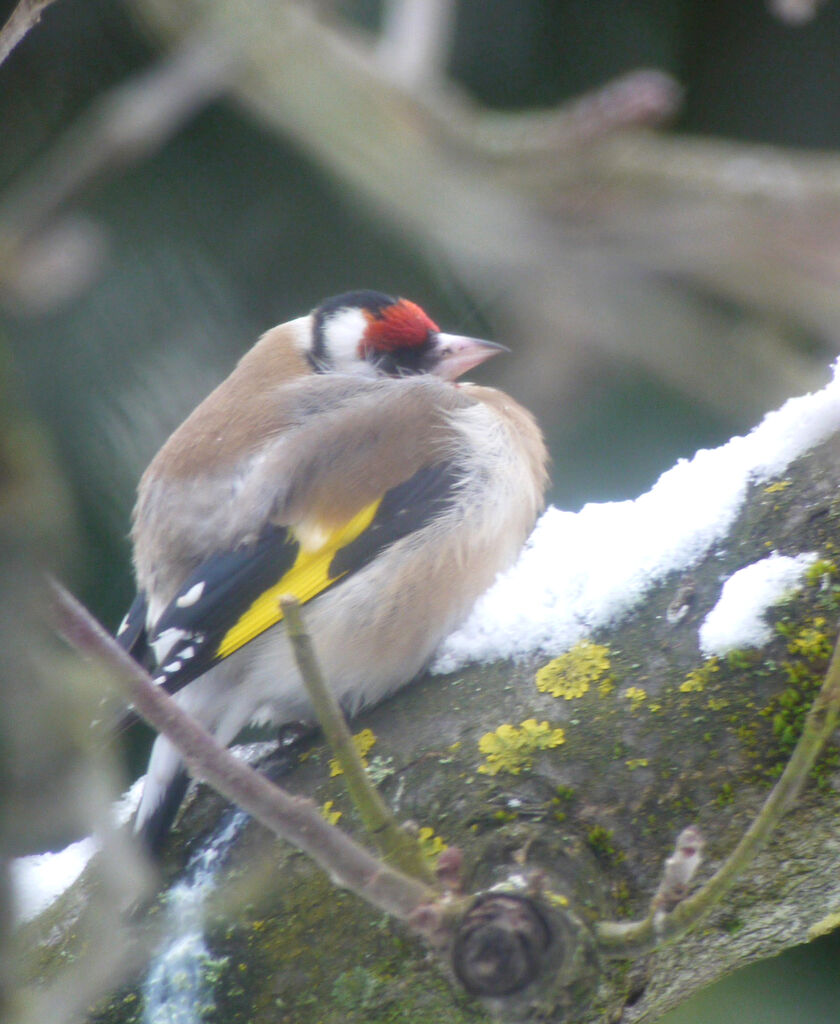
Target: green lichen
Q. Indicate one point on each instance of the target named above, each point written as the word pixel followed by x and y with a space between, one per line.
pixel 563 797
pixel 356 989
pixel 697 680
pixel 600 842
pixel 511 748
pixel 380 768
pixel 741 659
pixel 823 572
pixel 358 968
pixel 824 576
pixel 810 645
pixel 571 675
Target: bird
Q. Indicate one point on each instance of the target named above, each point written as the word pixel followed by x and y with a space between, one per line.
pixel 342 461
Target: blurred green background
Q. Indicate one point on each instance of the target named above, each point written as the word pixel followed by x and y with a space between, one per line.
pixel 160 271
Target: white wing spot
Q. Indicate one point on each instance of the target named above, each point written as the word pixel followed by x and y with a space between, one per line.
pixel 191 596
pixel 164 643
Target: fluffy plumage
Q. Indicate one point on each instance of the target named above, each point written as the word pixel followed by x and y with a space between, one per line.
pixel 340 463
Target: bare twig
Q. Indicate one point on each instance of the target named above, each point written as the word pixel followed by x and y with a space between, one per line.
pixel 629 939
pixel 294 819
pixel 22 20
pixel 680 868
pixel 395 845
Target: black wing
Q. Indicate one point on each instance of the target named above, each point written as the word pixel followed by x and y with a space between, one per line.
pixel 233 597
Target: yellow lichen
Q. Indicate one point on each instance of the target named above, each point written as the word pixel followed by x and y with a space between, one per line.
pixel 511 748
pixel 572 674
pixel 637 695
pixel 636 762
pixel 696 680
pixel 364 740
pixel 606 686
pixel 811 641
pixel 431 846
pixel 327 812
pixel 780 485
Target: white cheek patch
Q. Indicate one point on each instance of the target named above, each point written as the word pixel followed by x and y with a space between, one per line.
pixel 342 333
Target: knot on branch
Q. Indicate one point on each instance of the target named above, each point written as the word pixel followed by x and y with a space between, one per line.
pixel 501 945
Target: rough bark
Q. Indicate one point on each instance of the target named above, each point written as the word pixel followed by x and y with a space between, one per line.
pixel 596 815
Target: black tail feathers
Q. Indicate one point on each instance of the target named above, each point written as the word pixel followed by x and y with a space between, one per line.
pixel 153 832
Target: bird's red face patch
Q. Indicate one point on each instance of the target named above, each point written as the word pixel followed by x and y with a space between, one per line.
pixel 403 325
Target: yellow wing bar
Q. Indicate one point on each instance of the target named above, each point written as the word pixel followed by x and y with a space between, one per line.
pixel 305 580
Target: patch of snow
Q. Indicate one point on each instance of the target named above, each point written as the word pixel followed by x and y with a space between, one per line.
pixel 737 620
pixel 582 571
pixel 39 879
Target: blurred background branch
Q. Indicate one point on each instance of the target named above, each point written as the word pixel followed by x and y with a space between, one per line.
pixel 632 246
pixel 47 257
pixel 23 19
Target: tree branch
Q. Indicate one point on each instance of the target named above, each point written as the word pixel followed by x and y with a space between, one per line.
pixel 294 819
pixel 21 21
pixel 635 938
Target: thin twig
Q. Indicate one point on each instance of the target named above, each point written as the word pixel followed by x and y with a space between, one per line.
pixel 632 938
pixel 293 818
pixel 395 845
pixel 20 22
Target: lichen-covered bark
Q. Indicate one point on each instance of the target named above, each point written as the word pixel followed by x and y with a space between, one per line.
pixel 658 739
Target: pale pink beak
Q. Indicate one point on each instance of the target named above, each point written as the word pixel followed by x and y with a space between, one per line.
pixel 455 354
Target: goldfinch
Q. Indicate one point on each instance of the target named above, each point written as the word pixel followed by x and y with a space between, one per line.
pixel 338 462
